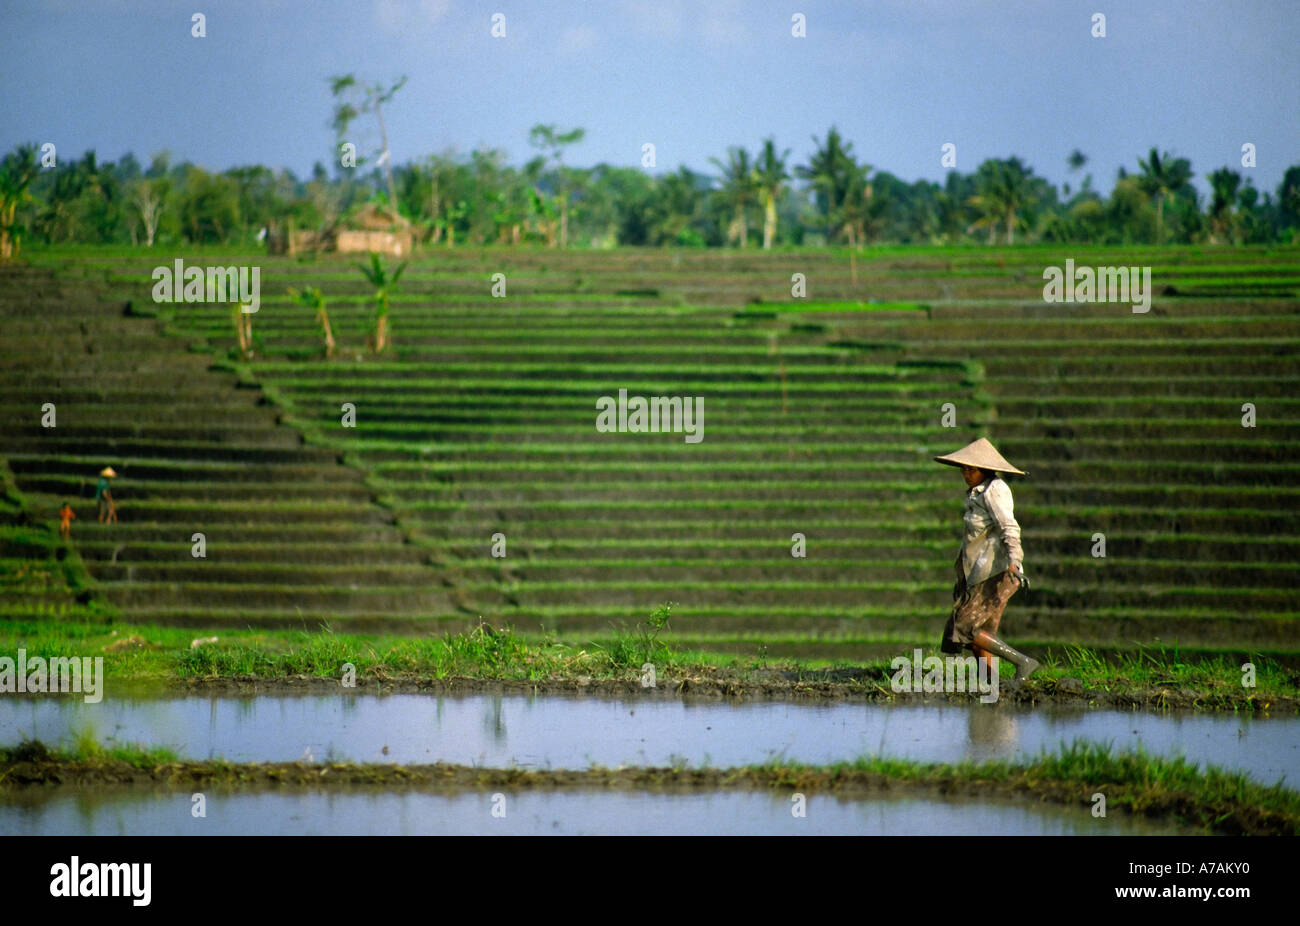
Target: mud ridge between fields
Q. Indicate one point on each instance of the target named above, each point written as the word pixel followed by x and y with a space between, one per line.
pixel 40 771
pixel 814 686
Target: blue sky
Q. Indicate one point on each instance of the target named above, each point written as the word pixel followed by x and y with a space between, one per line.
pixel 898 77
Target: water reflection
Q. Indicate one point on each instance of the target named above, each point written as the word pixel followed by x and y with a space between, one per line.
pixel 493 722
pixel 993 732
pixel 571 732
pixel 546 812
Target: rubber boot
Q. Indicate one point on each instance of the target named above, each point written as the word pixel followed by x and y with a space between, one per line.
pixel 1025 665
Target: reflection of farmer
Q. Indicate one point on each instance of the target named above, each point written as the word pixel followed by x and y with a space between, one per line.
pixel 104 497
pixel 66 516
pixel 988 565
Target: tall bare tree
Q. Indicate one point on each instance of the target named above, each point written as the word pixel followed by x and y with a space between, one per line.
pixel 149 198
pixel 351 100
pixel 552 143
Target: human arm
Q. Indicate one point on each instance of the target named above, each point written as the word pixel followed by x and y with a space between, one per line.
pixel 1002 508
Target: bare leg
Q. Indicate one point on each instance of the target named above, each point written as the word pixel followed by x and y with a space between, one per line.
pixel 981 653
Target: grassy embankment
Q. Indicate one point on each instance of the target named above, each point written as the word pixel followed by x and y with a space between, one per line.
pixel 1209 800
pixel 612 664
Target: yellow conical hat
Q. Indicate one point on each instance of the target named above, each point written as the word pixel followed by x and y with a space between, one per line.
pixel 107 471
pixel 982 454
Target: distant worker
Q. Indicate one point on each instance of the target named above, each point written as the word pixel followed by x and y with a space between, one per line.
pixel 66 517
pixel 104 497
pixel 988 565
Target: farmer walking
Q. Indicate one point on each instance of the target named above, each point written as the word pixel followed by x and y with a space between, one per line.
pixel 66 517
pixel 989 563
pixel 104 497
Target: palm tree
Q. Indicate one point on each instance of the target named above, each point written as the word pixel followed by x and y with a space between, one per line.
pixel 98 198
pixel 1075 162
pixel 17 171
pixel 311 297
pixel 384 283
pixel 855 214
pixel 1224 183
pixel 740 186
pixel 673 206
pixel 770 177
pixel 1163 176
pixel 1004 192
pixel 1017 196
pixel 56 220
pixel 989 215
pixel 831 170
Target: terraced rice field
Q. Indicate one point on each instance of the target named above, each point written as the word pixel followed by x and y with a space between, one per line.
pixel 821 416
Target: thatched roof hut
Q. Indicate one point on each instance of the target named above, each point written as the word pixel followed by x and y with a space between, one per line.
pixel 369 228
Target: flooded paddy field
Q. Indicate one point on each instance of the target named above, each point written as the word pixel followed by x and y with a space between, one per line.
pixel 571 732
pixel 372 812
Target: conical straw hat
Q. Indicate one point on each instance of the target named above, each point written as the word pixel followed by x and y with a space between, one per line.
pixel 107 471
pixel 982 454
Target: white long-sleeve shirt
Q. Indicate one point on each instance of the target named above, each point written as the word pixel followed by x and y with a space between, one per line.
pixel 992 541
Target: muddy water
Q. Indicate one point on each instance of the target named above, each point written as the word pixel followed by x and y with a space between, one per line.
pixel 575 732
pixel 542 813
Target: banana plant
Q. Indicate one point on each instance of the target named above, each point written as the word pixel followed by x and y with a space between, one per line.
pixel 311 297
pixel 243 329
pixel 384 282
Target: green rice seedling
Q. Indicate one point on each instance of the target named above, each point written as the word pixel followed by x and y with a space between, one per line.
pixel 86 747
pixel 1166 668
pixel 85 743
pixel 1084 659
pixel 636 648
pixel 322 655
pixel 1089 761
pixel 484 650
pixel 213 661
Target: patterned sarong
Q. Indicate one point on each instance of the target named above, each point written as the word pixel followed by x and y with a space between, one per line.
pixel 976 608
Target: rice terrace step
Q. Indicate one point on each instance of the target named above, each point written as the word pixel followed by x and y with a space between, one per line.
pixel 197 452
pixel 819 419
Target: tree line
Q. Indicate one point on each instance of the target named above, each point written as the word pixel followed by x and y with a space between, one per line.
pixel 758 198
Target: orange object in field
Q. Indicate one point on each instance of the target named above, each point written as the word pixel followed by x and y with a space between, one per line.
pixel 66 516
